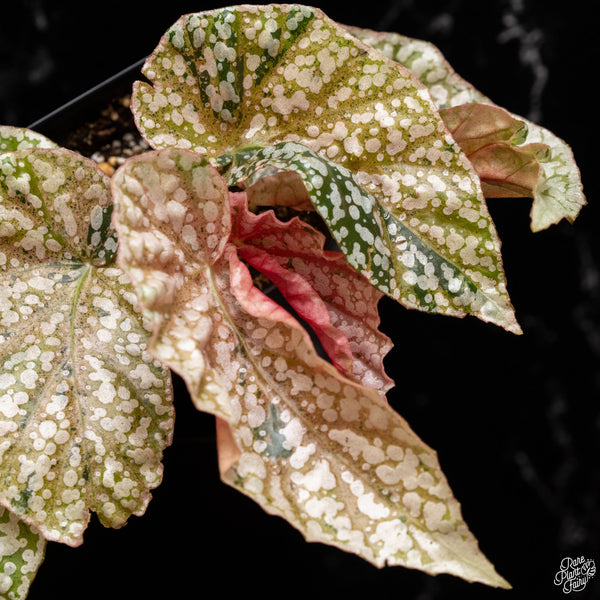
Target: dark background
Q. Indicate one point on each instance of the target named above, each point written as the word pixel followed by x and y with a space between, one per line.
pixel 514 419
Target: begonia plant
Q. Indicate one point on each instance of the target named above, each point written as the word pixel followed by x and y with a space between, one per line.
pixel 108 283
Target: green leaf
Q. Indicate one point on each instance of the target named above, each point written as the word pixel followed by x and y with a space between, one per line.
pixel 22 551
pixel 321 450
pixel 451 264
pixel 19 138
pixel 269 86
pixel 85 411
pixel 559 192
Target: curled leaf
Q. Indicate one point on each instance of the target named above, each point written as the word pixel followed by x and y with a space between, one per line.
pixel 22 551
pixel 85 411
pixel 490 137
pixel 279 188
pixel 338 303
pixel 283 87
pixel 558 193
pixel 307 443
pixel 451 264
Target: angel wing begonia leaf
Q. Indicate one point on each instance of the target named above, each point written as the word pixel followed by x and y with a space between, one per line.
pixel 307 443
pixel 85 411
pixel 22 550
pixel 337 302
pixel 261 86
pixel 455 273
pixel 490 137
pixel 20 138
pixel 558 193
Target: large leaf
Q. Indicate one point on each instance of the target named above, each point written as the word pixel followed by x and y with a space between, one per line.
pixel 85 411
pixel 282 86
pixel 321 450
pixel 22 550
pixel 559 192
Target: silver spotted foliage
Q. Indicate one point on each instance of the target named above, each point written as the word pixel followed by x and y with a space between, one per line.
pixel 319 449
pixel 278 80
pixel 85 411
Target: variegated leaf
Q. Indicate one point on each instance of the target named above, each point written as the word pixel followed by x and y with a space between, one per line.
pixel 269 86
pixel 559 193
pixel 452 267
pixel 22 549
pixel 491 139
pixel 338 303
pixel 85 411
pixel 19 138
pixel 322 451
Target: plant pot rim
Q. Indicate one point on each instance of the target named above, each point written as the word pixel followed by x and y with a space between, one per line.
pixel 57 123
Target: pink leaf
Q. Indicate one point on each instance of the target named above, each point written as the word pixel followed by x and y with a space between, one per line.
pixel 305 301
pixel 490 138
pixel 338 303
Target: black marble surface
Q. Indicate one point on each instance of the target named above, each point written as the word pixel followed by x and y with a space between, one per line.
pixel 514 419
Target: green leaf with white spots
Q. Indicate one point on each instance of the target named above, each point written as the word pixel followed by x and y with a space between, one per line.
pixel 417 268
pixel 272 85
pixel 22 549
pixel 558 193
pixel 19 138
pixel 308 444
pixel 85 411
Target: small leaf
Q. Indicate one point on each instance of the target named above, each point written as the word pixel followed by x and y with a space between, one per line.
pixel 19 138
pixel 85 411
pixel 339 304
pixel 284 87
pixel 559 192
pixel 490 137
pixel 22 551
pixel 279 188
pixel 325 452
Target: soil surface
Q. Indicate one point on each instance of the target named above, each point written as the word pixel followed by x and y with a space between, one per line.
pixel 110 138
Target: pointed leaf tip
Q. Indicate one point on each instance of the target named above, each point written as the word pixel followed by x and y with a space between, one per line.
pixel 306 442
pixel 403 204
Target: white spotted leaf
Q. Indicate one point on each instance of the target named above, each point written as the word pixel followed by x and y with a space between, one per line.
pixel 22 549
pixel 336 302
pixel 559 192
pixel 85 411
pixel 307 443
pixel 266 86
pixel 19 138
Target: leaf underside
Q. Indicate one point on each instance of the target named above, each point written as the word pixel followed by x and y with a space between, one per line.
pixel 306 442
pixel 85 411
pixel 283 87
pixel 559 192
